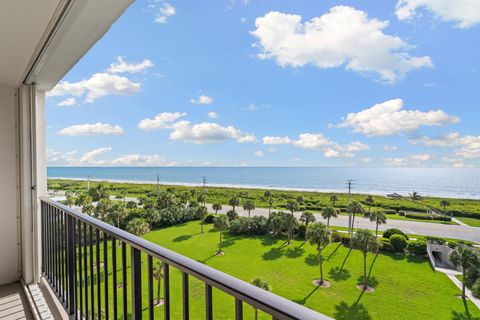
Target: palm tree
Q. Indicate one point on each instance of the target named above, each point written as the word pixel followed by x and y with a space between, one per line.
pixel 70 198
pixel 333 199
pixel 116 213
pixel 158 274
pixel 369 201
pixel 138 226
pixel 249 205
pixel 379 218
pixel 201 213
pixel 318 234
pixel 366 241
pixel 292 205
pixel 202 198
pixel 465 258
pixel 354 208
pixel 262 284
pixel 444 204
pixel 217 206
pixel 275 222
pixel 415 196
pixel 221 223
pixel 307 217
pixel 290 223
pixel 234 201
pixel 329 212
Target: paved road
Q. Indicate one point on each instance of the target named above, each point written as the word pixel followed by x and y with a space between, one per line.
pixel 409 227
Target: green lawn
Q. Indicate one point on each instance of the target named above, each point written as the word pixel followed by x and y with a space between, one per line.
pixel 406 287
pixel 470 221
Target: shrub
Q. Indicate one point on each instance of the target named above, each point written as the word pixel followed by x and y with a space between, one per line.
pixel 336 236
pixel 258 225
pixel 424 216
pixel 346 239
pixel 402 213
pixel 232 215
pixel 239 226
pixel 389 232
pixel 476 289
pixel 209 218
pixel 390 211
pixel 436 240
pixel 385 245
pixel 302 230
pixel 398 242
pixel 418 247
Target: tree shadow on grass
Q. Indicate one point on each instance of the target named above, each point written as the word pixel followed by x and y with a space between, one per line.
pixel 304 300
pixel 346 258
pixel 272 254
pixel 205 260
pixel 356 311
pixel 338 274
pixel 227 242
pixel 312 259
pixel 182 238
pixel 269 240
pixel 295 252
pixel 334 251
pixel 371 281
pixel 463 315
pixel 416 259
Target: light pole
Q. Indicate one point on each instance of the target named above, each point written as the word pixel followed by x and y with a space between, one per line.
pixel 350 226
pixel 158 185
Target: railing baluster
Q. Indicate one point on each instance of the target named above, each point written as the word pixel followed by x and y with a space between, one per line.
pixel 150 287
pixel 42 223
pixel 136 266
pixel 166 291
pixel 75 277
pixel 50 243
pixel 61 241
pixel 57 251
pixel 99 289
pixel 114 278
pixel 125 280
pixel 208 302
pixel 185 297
pixel 80 271
pixel 70 264
pixel 238 309
pixel 85 269
pixel 105 272
pixel 92 279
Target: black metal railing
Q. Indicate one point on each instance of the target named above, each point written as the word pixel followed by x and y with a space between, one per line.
pixel 73 265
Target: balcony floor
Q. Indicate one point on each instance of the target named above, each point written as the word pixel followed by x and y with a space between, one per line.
pixel 14 303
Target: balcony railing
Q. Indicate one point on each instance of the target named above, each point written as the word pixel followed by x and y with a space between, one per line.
pixel 74 244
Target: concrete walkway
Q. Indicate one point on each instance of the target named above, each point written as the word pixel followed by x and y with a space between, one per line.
pixel 451 274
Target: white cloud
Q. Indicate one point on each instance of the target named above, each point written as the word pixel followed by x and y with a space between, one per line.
pixel 202 99
pixel 207 132
pixel 98 85
pixel 90 158
pixel 342 37
pixel 367 160
pixel 165 11
pixel 142 161
pixel 121 66
pixel 414 160
pixel 212 115
pixel 390 118
pixel 259 154
pixel 67 102
pixel 276 140
pixel 92 130
pixel 252 107
pixel 162 120
pixel 466 13
pixel 454 162
pixel 390 148
pixel 468 146
pixel 317 141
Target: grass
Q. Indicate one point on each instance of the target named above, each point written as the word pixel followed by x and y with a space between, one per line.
pixel 470 221
pixel 399 281
pixel 406 287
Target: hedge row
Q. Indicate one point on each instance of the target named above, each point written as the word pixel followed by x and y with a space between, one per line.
pixel 423 216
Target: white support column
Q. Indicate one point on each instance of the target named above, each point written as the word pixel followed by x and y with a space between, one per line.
pixel 32 176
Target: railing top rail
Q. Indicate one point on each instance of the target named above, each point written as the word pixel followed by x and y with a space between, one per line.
pixel 278 307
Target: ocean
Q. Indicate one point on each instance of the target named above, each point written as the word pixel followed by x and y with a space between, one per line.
pixel 441 182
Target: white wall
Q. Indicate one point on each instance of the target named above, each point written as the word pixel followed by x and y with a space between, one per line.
pixel 9 235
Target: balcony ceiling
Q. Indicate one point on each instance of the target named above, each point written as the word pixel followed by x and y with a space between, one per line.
pixel 22 26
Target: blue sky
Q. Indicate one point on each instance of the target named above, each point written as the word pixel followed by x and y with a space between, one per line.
pixel 275 83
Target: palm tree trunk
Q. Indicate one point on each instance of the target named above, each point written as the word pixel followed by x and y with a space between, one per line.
pixel 365 269
pixel 353 222
pixel 328 221
pixel 256 314
pixel 376 229
pixel 320 261
pixel 269 211
pixel 464 276
pixel 248 221
pixel 220 243
pixel 158 288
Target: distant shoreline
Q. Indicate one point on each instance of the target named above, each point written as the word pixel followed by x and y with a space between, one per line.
pixel 256 187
